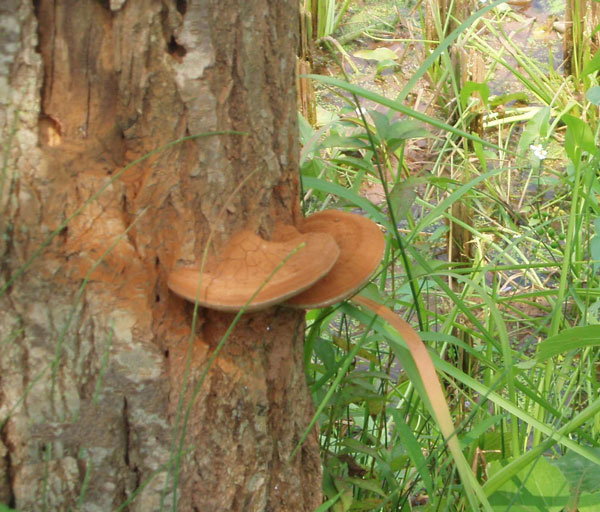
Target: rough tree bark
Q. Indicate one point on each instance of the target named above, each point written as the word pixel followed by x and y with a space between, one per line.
pixel 90 383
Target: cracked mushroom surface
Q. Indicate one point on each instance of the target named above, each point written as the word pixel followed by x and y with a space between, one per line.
pixel 256 273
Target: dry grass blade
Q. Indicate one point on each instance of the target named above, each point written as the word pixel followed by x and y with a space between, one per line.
pixel 432 387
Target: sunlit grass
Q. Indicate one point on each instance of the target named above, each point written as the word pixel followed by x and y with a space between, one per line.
pixel 530 393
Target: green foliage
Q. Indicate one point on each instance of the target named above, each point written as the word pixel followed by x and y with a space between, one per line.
pixel 539 487
pixel 526 309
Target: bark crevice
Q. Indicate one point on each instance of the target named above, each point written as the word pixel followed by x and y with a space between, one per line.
pixel 6 467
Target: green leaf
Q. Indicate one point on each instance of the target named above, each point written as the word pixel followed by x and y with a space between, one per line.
pixel 369 485
pixel 582 474
pixel 406 129
pixel 569 339
pixel 474 87
pixel 324 351
pixel 368 505
pixel 587 502
pixel 378 54
pixel 579 138
pixel 339 141
pixel 593 95
pixel 478 432
pixel 333 188
pixel 478 148
pixel 381 123
pixel 356 446
pixel 311 167
pixel 402 197
pixel 382 65
pixel 306 130
pixel 536 128
pixel 362 164
pixel 329 503
pixel 593 65
pixel 539 487
pixel 503 99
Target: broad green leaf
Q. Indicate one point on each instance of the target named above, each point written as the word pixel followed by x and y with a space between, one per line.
pixel 478 431
pixel 381 123
pixel 402 196
pixel 569 339
pixel 367 505
pixel 324 351
pixel 329 503
pixel 536 128
pixel 306 130
pixel 592 65
pixel 378 54
pixel 356 446
pixel 582 474
pixel 334 488
pixel 503 99
pixel 579 138
pixel 474 87
pixel 478 148
pixel 332 188
pixel 312 167
pixel 373 292
pixel 587 502
pixel 406 129
pixel 382 65
pixel 539 487
pixel 593 95
pixel 325 116
pixel 339 141
pixel 363 164
pixel 369 485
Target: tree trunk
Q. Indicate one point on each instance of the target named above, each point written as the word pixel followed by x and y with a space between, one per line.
pixel 94 396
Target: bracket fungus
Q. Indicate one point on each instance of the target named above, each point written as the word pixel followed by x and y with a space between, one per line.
pixel 332 256
pixel 256 273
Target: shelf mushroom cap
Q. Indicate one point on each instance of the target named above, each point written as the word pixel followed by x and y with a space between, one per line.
pixel 249 263
pixel 361 246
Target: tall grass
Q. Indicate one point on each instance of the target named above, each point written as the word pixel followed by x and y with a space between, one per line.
pixel 528 407
pixel 326 16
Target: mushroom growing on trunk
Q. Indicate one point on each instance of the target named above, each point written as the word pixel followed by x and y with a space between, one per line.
pixel 254 273
pixel 331 259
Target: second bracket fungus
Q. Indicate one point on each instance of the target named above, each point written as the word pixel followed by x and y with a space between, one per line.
pixel 361 246
pixel 277 270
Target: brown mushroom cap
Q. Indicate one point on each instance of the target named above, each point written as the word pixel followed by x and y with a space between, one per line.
pixel 246 264
pixel 361 246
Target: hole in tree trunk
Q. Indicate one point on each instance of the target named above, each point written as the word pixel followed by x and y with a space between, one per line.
pixel 175 49
pixel 182 6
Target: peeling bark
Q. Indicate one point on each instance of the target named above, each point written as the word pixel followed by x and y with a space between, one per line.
pixel 93 347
